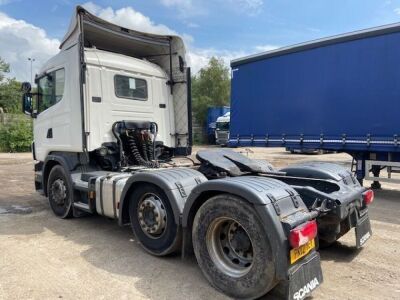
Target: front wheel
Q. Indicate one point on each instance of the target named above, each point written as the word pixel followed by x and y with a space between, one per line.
pixel 60 192
pixel 232 248
pixel 152 220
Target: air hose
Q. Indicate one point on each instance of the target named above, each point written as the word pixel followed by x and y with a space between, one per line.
pixel 135 142
pixel 136 154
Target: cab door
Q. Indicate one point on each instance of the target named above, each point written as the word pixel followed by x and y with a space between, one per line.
pixel 58 125
pixel 50 93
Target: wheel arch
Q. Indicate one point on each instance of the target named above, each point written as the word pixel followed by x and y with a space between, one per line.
pixel 176 184
pixel 50 162
pixel 208 189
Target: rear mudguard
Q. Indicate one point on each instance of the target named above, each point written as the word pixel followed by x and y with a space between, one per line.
pixel 344 203
pixel 279 207
pixel 346 192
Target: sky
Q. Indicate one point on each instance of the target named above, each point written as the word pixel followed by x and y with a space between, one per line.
pixel 224 28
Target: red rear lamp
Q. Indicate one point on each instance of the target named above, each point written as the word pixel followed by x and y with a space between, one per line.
pixel 368 197
pixel 302 234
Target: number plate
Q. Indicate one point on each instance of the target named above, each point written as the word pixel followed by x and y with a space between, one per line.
pixel 296 254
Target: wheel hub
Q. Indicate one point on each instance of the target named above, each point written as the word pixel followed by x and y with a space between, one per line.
pixel 59 191
pixel 239 241
pixel 230 247
pixel 152 215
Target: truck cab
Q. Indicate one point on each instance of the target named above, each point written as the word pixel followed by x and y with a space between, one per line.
pixel 222 129
pixel 116 87
pixel 96 80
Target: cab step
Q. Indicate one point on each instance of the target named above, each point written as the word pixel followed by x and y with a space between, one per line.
pixel 83 206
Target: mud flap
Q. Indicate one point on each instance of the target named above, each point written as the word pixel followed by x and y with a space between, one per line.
pixel 363 231
pixel 305 277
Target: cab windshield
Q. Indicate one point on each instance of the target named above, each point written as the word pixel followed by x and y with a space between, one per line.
pixel 223 125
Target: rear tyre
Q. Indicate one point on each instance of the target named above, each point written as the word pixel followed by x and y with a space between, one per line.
pixel 152 220
pixel 59 191
pixel 232 248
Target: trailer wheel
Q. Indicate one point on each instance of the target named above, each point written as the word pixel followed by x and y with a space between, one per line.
pixel 60 193
pixel 231 247
pixel 152 220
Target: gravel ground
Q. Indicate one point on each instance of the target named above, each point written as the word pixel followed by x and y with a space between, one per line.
pixel 43 257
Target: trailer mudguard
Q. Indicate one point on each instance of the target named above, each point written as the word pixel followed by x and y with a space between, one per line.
pixel 279 206
pixel 177 183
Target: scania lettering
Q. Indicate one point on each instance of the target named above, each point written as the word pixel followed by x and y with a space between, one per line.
pixel 306 290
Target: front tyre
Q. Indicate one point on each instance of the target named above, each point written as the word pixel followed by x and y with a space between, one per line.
pixel 152 220
pixel 59 191
pixel 232 248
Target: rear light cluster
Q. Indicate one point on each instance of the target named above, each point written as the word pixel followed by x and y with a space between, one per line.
pixel 302 234
pixel 368 197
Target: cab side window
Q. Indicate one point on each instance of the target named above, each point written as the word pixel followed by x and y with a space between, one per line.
pixel 51 89
pixel 131 88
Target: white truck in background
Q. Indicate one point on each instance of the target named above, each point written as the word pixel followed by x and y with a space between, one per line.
pixel 222 129
pixel 111 114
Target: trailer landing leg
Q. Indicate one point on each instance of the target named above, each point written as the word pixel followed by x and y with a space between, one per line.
pixel 375 171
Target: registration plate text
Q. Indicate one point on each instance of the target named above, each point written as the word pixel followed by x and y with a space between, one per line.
pixel 296 254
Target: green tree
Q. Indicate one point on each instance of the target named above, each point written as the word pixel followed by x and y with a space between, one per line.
pixel 16 135
pixel 10 95
pixel 10 90
pixel 210 87
pixel 16 131
pixel 4 68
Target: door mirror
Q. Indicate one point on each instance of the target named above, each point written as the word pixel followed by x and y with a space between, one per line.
pixel 26 87
pixel 27 105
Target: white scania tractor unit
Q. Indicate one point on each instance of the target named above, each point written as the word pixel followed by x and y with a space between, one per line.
pixel 112 112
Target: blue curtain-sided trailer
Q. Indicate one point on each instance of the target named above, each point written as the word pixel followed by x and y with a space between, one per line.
pixel 340 93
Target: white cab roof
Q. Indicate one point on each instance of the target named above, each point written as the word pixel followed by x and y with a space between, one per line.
pixel 123 62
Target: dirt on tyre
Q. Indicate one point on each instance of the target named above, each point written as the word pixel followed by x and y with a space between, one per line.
pixel 152 220
pixel 232 249
pixel 60 193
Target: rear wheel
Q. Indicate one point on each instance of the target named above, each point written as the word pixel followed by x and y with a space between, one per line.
pixel 59 192
pixel 152 220
pixel 232 248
